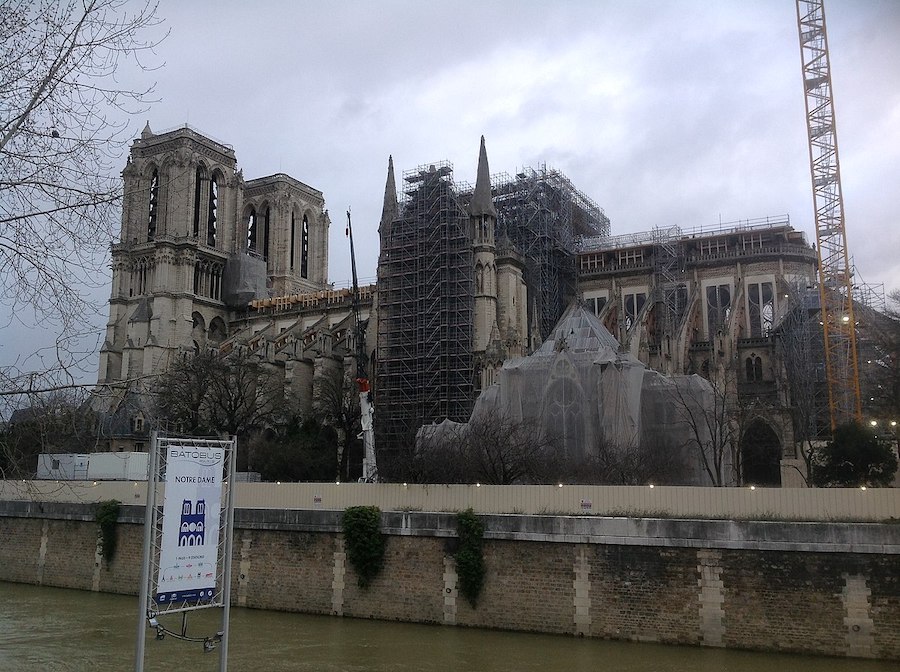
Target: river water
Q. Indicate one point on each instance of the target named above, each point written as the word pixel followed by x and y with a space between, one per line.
pixel 52 629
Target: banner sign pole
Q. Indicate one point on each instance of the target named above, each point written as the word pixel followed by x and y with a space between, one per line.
pixel 226 570
pixel 149 526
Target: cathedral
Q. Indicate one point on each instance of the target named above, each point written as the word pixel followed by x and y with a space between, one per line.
pixel 469 278
pixel 198 244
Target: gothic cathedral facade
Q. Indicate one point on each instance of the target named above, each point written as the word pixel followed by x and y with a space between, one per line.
pixel 198 244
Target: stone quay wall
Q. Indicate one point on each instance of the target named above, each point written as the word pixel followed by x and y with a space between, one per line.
pixel 822 588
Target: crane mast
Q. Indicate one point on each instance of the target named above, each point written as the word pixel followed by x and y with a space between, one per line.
pixel 835 282
pixel 366 410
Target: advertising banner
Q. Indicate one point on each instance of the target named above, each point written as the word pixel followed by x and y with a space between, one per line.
pixel 190 523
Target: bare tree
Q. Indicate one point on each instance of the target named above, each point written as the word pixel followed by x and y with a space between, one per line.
pixel 711 417
pixel 336 403
pixel 295 451
pixel 893 308
pixel 57 422
pixel 64 115
pixel 801 351
pixel 489 449
pixel 657 460
pixel 213 394
pixel 502 452
pixel 878 348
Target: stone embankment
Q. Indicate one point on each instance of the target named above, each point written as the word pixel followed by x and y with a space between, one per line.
pixel 816 587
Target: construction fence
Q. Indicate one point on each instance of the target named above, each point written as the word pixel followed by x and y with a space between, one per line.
pixel 801 504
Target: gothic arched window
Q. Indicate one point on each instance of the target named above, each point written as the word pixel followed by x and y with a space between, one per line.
pixel 212 214
pixel 153 205
pixel 251 229
pixel 304 249
pixel 199 179
pixel 293 238
pixel 753 365
pixel 266 234
pixel 718 307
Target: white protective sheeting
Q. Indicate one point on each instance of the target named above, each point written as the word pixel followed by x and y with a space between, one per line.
pixel 585 393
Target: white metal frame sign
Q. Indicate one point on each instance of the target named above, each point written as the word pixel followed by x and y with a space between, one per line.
pixel 188 551
pixel 188 539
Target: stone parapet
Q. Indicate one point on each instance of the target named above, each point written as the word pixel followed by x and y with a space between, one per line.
pixel 810 537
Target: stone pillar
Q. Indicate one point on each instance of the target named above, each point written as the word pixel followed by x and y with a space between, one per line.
pixel 244 568
pixel 711 597
pixel 42 554
pixel 582 585
pixel 451 591
pixel 337 583
pixel 858 617
pixel 98 563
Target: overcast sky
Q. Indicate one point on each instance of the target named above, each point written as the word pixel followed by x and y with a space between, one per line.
pixel 664 113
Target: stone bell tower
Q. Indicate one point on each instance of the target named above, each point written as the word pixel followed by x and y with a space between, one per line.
pixel 179 227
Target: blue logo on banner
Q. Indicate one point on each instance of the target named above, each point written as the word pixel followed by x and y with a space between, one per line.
pixel 192 530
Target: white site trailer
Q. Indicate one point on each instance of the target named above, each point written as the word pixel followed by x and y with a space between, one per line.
pixel 63 466
pixel 93 466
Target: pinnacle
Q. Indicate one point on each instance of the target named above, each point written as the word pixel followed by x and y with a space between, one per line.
pixel 482 202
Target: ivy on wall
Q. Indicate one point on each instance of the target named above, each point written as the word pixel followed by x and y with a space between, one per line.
pixel 469 555
pixel 107 516
pixel 364 541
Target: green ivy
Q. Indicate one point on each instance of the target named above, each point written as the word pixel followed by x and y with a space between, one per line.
pixel 469 555
pixel 365 543
pixel 107 516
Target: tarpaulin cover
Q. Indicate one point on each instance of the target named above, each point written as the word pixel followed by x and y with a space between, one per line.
pixel 585 391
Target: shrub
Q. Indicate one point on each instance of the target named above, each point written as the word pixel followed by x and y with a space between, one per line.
pixel 469 555
pixel 107 516
pixel 854 457
pixel 365 543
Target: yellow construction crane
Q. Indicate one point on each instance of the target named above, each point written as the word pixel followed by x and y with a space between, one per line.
pixel 835 281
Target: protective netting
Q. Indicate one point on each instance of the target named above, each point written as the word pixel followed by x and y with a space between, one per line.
pixel 245 280
pixel 586 393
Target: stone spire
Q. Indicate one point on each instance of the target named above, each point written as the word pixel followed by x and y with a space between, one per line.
pixel 482 202
pixel 390 192
pixel 146 133
pixel 389 210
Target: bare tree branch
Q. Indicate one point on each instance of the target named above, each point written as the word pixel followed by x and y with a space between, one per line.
pixel 712 418
pixel 64 126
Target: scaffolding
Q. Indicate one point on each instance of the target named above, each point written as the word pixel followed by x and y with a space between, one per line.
pixel 426 367
pixel 594 243
pixel 426 309
pixel 868 294
pixel 542 214
pixel 803 355
pixel 669 288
